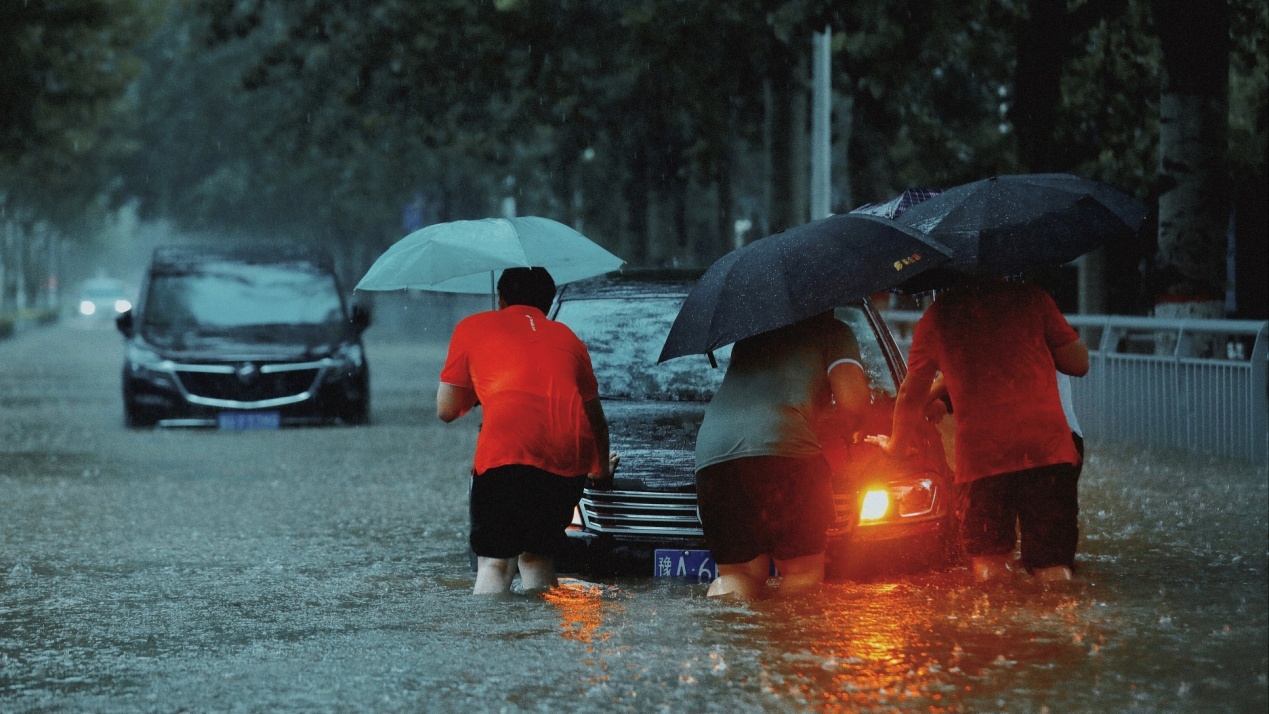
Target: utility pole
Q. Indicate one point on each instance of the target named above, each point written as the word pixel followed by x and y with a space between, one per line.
pixel 821 121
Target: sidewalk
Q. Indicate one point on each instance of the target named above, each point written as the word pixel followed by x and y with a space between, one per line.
pixel 12 323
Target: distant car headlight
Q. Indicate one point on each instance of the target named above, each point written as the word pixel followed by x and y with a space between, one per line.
pixel 122 306
pixel 87 307
pixel 898 499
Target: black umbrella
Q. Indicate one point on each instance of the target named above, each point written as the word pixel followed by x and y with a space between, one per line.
pixel 1008 224
pixel 792 275
pixel 897 205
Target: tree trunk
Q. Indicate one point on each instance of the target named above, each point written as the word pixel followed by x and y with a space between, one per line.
pixel 19 271
pixel 1043 40
pixel 1251 247
pixel 844 108
pixel 635 233
pixel 1045 43
pixel 799 158
pixel 659 249
pixel 5 242
pixel 1193 130
pixel 724 220
pixel 786 119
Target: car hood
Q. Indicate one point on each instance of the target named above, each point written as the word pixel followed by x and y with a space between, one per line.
pixel 656 442
pixel 657 445
pixel 218 348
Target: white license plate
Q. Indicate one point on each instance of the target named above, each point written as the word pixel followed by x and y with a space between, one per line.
pixel 690 564
pixel 238 421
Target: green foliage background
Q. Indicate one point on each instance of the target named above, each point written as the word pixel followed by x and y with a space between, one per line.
pixel 653 124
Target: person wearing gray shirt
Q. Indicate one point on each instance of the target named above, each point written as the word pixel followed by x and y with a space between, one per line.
pixel 764 490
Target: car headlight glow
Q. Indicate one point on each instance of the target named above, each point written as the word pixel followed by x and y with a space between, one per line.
pixel 902 499
pixel 875 505
pixel 87 307
pixel 122 305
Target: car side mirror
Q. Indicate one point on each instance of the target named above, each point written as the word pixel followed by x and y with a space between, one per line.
pixel 360 318
pixel 124 323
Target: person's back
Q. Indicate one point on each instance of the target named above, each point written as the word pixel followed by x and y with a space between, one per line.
pixel 764 490
pixel 774 390
pixel 993 342
pixel 997 346
pixel 543 434
pixel 520 363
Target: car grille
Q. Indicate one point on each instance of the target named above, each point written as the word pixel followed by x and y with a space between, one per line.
pixel 246 386
pixel 264 386
pixel 641 513
pixel 653 513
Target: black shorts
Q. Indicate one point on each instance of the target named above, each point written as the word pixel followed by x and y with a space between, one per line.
pixel 772 505
pixel 1041 503
pixel 521 509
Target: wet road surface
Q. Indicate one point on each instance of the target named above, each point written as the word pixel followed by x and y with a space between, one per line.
pixel 325 570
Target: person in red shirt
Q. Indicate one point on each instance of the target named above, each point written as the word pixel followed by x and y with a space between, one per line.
pixel 999 346
pixel 543 431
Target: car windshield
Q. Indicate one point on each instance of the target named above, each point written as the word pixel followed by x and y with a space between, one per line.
pixel 102 293
pixel 880 376
pixel 232 296
pixel 624 336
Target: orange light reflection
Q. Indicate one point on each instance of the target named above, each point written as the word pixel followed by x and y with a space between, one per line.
pixel 868 649
pixel 582 609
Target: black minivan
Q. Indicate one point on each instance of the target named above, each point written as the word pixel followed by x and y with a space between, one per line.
pixel 243 337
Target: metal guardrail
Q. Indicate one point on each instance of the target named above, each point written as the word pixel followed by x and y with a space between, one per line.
pixel 1195 385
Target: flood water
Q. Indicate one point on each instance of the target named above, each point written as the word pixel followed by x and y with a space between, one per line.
pixel 325 570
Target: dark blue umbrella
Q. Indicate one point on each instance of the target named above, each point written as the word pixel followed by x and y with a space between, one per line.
pixel 792 275
pixel 1009 224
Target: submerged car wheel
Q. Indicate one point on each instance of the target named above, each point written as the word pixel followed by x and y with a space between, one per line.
pixel 135 417
pixel 356 413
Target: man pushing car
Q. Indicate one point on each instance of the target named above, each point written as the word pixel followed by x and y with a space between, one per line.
pixel 543 432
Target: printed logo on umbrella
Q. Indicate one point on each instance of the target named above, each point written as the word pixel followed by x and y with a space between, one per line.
pixel 902 263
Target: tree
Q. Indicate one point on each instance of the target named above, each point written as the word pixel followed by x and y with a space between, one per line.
pixel 66 119
pixel 1193 134
pixel 650 124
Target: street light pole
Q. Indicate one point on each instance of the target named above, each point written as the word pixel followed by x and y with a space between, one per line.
pixel 821 117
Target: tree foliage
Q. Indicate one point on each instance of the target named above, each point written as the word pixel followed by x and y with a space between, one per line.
pixel 652 123
pixel 66 114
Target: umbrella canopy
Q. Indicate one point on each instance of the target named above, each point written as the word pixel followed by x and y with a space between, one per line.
pixel 792 275
pixel 465 256
pixel 897 205
pixel 1008 224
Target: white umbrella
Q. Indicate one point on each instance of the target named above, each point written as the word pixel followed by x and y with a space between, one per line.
pixel 466 256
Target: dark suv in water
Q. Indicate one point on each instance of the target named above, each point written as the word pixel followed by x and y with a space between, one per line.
pixel 892 515
pixel 243 337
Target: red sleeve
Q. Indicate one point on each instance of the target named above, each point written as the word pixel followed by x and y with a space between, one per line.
pixel 456 370
pixel 1058 332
